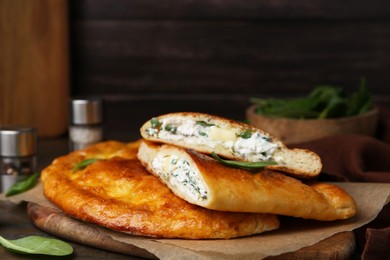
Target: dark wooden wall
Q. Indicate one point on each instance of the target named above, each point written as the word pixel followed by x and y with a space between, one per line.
pixel 165 51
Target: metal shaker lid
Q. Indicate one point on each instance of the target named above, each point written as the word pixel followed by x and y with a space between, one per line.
pixel 18 141
pixel 86 111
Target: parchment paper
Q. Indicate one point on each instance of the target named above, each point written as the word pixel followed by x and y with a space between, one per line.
pixel 293 234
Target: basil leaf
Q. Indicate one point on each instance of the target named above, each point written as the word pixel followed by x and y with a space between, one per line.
pixel 22 186
pixel 81 165
pixel 37 245
pixel 294 108
pixel 334 108
pixel 360 101
pixel 250 166
pixel 322 102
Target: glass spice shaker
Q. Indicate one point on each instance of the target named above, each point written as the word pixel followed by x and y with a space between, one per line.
pixel 17 155
pixel 86 122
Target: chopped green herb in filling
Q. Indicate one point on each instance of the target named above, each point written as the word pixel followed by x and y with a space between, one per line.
pixel 203 134
pixel 248 144
pixel 170 128
pixel 180 173
pixel 205 124
pixel 155 123
pixel 246 134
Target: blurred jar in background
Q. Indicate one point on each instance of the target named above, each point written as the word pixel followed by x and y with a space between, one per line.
pixel 17 155
pixel 85 122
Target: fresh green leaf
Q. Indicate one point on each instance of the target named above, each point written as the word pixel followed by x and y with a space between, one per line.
pixel 334 108
pixel 360 101
pixel 81 165
pixel 365 107
pixel 322 102
pixel 205 124
pixel 23 185
pixel 290 108
pixel 250 166
pixel 323 93
pixel 37 245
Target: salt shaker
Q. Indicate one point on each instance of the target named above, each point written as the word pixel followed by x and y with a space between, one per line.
pixel 18 157
pixel 86 122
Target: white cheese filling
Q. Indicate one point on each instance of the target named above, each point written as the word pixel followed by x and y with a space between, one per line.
pixel 255 147
pixel 179 173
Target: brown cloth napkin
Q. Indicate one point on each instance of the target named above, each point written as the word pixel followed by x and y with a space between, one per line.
pixel 357 158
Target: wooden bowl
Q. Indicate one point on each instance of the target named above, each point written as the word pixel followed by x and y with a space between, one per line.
pixel 291 131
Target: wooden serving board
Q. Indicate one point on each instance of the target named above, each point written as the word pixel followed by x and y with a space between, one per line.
pixel 339 246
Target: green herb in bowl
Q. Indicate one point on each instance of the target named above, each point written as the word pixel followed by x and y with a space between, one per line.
pixel 323 102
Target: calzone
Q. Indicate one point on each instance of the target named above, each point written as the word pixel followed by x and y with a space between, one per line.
pixel 231 139
pixel 106 185
pixel 201 180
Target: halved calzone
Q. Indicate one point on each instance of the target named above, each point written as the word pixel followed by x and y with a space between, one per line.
pixel 201 180
pixel 112 189
pixel 231 139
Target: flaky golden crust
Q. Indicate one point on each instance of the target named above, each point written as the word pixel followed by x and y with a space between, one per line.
pixel 232 189
pixel 118 193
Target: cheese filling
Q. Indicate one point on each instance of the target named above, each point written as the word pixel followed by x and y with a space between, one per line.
pixel 179 173
pixel 251 146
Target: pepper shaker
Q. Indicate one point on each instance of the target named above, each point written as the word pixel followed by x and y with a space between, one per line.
pixel 17 155
pixel 86 122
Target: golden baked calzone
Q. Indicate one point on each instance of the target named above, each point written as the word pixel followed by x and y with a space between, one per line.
pixel 116 191
pixel 201 180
